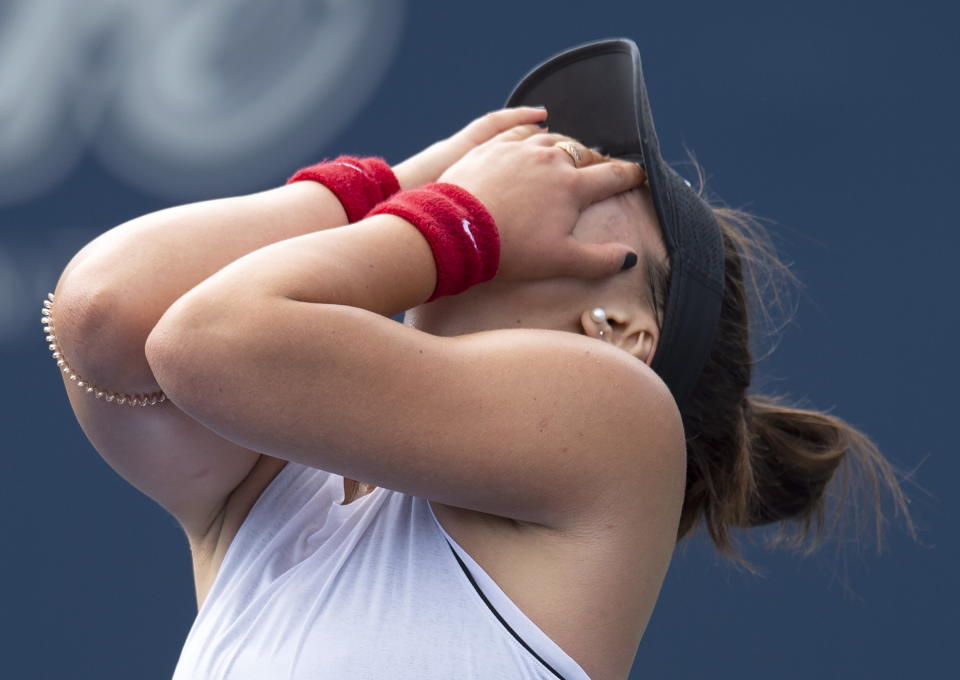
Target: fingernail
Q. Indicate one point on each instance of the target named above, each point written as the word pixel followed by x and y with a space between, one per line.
pixel 629 261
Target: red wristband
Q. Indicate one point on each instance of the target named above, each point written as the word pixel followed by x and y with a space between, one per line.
pixel 359 183
pixel 461 233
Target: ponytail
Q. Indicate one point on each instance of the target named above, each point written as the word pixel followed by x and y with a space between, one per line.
pixel 754 460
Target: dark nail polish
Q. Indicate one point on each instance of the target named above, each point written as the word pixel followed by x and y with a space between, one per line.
pixel 629 261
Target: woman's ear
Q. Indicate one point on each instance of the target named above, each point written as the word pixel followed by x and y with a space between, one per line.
pixel 636 335
pixel 644 347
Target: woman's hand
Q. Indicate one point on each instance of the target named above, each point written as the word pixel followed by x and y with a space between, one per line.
pixel 429 164
pixel 535 191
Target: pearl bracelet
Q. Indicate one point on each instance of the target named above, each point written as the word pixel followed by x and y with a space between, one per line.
pixel 90 388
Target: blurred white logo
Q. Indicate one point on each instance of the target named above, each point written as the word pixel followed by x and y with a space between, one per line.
pixel 182 98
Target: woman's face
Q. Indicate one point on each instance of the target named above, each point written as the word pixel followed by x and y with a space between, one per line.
pixel 560 303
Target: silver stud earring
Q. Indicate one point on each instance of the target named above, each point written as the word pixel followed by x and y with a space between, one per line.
pixel 599 316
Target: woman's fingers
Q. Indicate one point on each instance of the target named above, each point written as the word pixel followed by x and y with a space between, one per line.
pixel 585 154
pixel 517 133
pixel 491 124
pixel 609 178
pixel 548 138
pixel 581 155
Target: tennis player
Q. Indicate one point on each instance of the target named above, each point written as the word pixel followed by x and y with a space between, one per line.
pixel 493 488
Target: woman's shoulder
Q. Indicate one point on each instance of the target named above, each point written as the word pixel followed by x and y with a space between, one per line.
pixel 584 354
pixel 593 381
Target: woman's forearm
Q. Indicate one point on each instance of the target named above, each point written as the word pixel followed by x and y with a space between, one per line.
pixel 122 282
pixel 382 264
pixel 237 322
pixel 150 261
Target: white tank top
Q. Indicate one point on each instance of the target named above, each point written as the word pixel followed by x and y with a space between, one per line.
pixel 376 589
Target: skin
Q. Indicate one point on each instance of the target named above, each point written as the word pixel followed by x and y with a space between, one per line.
pixel 565 303
pixel 559 302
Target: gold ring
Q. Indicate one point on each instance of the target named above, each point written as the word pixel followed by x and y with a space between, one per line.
pixel 573 151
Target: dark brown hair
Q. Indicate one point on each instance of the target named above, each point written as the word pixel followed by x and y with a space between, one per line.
pixel 754 459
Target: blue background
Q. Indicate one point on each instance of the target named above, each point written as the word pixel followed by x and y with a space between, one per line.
pixel 834 119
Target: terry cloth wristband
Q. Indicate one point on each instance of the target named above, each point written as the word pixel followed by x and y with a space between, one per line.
pixel 461 233
pixel 359 183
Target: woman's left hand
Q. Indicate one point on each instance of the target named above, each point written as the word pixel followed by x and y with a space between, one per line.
pixel 426 166
pixel 535 191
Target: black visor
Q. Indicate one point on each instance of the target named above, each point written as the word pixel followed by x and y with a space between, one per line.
pixel 595 93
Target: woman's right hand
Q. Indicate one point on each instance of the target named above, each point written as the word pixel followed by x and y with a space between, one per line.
pixel 535 191
pixel 427 166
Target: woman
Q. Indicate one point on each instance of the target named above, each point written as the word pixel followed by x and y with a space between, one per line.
pixel 525 474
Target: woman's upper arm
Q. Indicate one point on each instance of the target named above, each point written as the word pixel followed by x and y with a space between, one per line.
pixel 187 469
pixel 539 426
